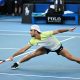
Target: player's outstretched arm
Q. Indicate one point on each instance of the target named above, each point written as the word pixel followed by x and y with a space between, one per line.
pixel 19 52
pixel 16 54
pixel 64 30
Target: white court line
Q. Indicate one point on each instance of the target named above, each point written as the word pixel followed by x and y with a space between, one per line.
pixel 26 53
pixel 13 31
pixel 28 31
pixel 67 39
pixel 40 76
pixel 14 35
pixel 10 48
pixel 29 35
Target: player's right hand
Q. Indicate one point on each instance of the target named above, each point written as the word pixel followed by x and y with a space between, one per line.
pixel 10 59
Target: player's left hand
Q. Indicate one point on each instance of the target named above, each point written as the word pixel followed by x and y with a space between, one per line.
pixel 72 29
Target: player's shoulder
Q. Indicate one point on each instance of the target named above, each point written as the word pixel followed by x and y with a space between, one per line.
pixel 47 32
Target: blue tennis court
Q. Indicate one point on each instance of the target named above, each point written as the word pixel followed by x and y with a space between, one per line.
pixel 15 35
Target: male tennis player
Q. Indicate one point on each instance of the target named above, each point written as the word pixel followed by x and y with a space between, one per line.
pixel 47 42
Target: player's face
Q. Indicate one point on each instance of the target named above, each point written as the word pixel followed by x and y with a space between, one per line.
pixel 32 32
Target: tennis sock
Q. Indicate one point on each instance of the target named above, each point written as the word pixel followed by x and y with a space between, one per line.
pixel 18 63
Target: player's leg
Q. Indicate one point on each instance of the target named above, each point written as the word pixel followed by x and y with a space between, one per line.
pixel 38 52
pixel 69 56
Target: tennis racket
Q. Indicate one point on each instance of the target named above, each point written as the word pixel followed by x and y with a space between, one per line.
pixel 2 61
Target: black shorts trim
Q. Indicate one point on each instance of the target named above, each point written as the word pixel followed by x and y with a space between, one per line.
pixel 57 51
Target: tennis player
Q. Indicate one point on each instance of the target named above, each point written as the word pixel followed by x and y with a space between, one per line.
pixel 47 42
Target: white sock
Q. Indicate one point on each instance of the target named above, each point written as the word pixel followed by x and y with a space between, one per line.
pixel 18 63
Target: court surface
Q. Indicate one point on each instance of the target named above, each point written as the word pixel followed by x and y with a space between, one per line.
pixel 15 35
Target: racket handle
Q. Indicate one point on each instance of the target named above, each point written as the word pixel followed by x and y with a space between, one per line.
pixel 2 61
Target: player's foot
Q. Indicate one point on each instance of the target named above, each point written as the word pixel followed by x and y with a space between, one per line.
pixel 78 62
pixel 14 66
